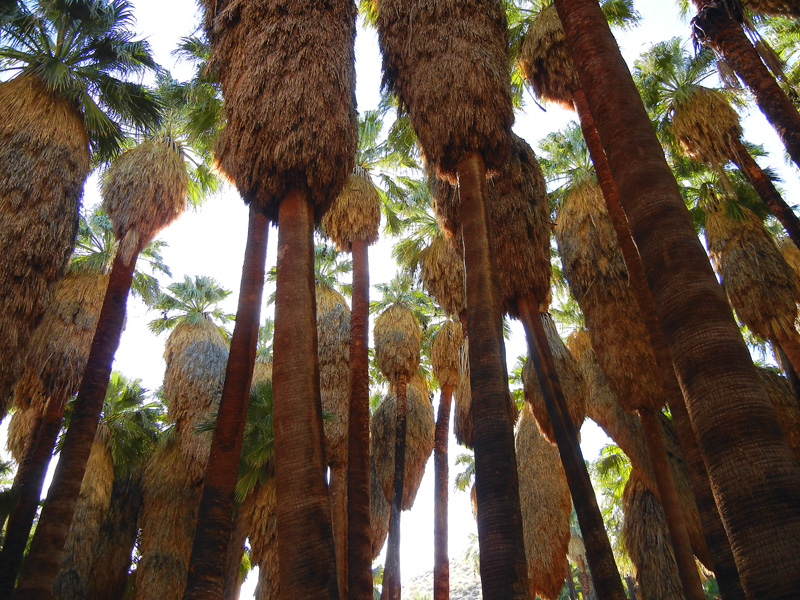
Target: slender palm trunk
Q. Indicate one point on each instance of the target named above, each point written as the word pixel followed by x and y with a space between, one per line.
pixel 305 540
pixel 714 533
pixel 719 30
pixel 441 562
pixel 788 370
pixel 571 583
pixel 731 415
pixel 768 193
pixel 214 520
pixel 44 559
pixel 598 548
pixel 503 568
pixel 233 579
pixel 391 574
pixel 631 585
pixel 338 489
pixel 681 546
pixel 359 546
pixel 28 487
pixel 112 555
pixel 789 343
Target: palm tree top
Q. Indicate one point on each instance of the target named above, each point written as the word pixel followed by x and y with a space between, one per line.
pixel 565 160
pixel 84 50
pixel 191 302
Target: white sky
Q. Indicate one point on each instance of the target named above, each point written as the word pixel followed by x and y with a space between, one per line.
pixel 211 240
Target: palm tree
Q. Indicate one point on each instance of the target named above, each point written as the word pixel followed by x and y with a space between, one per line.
pixel 196 354
pixel 719 26
pixel 55 361
pixel 463 125
pixel 702 119
pixel 67 104
pixel 138 208
pixel 352 223
pixel 265 149
pixel 691 308
pixel 125 436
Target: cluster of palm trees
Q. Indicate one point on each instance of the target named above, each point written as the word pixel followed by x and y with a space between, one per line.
pixel 265 433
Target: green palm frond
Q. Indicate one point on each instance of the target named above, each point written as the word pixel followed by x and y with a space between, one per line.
pixel 191 301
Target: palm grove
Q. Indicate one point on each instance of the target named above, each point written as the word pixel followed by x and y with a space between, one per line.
pixel 279 443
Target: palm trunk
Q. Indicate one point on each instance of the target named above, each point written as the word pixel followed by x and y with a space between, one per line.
pixel 768 192
pixel 503 568
pixel 788 370
pixel 212 537
pixel 338 489
pixel 571 583
pixel 681 546
pixel 598 548
pixel 715 27
pixel 112 555
pixel 714 533
pixel 359 546
pixel 44 559
pixel 233 580
pixel 305 541
pixel 28 487
pixel 762 518
pixel 789 343
pixel 441 562
pixel 631 584
pixel 391 574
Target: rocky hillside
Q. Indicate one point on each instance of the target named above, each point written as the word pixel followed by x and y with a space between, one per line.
pixel 465 583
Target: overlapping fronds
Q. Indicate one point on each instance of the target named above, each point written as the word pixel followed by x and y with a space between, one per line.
pixel 546 506
pixel 760 285
pixel 145 190
pixel 791 255
pixel 445 202
pixel 397 342
pixel 444 354
pixel 785 403
pixel 420 427
pixel 442 274
pixel 44 161
pixel 520 223
pixel 569 375
pixel 707 126
pixel 356 212
pixel 333 349
pixel 448 63
pixel 647 540
pixel 287 72
pixel 546 61
pixel 598 280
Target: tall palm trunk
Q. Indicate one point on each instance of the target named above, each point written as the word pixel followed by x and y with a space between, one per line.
pixel 762 518
pixel 305 541
pixel 233 577
pixel 598 548
pixel 44 559
pixel 28 485
pixel 214 522
pixel 441 563
pixel 768 192
pixel 391 575
pixel 714 533
pixel 503 568
pixel 338 491
pixel 715 26
pixel 359 547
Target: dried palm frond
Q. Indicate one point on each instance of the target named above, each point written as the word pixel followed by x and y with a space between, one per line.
pixel 196 357
pixel 444 354
pixel 442 274
pixel 262 371
pixel 397 342
pixel 420 426
pixel 144 191
pixel 760 285
pixel 258 513
pixel 168 520
pixel 568 374
pixel 287 72
pixel 445 203
pixel 785 403
pixel 546 507
pixel 546 60
pixel 44 161
pixel 598 280
pixel 356 212
pixel 520 222
pixel 448 63
pixel 647 541
pixel 707 126
pixel 333 349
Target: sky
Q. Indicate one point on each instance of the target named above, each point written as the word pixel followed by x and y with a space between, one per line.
pixel 210 240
